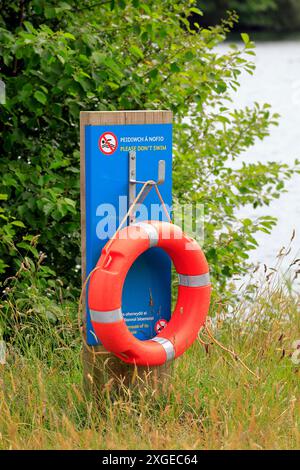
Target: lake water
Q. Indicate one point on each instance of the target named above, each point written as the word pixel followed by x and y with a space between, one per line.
pixel 276 81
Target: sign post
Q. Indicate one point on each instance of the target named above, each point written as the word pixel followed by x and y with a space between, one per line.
pixel 119 151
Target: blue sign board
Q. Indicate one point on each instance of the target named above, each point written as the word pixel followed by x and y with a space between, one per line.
pixel 146 300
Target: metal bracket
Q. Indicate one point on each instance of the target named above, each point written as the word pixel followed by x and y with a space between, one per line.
pixel 133 182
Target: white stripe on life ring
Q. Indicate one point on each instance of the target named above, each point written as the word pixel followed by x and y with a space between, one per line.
pixel 151 232
pixel 200 280
pixel 167 345
pixel 109 316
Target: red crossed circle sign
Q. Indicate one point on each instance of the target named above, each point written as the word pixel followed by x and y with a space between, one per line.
pixel 160 325
pixel 108 143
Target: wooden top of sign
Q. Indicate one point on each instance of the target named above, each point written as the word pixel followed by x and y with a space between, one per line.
pixel 100 118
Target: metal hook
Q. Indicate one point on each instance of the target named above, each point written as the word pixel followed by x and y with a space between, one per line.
pixel 133 181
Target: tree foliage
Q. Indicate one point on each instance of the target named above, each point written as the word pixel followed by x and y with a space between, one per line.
pixel 61 57
pixel 270 15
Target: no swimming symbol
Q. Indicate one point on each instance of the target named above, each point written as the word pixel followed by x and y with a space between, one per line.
pixel 108 143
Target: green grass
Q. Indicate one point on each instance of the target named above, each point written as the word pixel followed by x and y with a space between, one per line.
pixel 210 402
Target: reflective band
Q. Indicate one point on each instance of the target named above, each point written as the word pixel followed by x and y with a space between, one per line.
pixel 151 232
pixel 110 316
pixel 167 345
pixel 200 280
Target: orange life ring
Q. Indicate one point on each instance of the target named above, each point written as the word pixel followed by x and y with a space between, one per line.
pixel 106 284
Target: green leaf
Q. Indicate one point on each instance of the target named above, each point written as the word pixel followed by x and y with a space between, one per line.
pixel 28 247
pixel 40 96
pixel 174 67
pixel 98 57
pixel 245 37
pixel 18 223
pixel 196 10
pixel 137 52
pixel 69 36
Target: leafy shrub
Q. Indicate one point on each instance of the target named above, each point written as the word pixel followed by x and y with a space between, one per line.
pixel 58 58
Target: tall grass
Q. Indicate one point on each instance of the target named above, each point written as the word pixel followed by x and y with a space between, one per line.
pixel 210 402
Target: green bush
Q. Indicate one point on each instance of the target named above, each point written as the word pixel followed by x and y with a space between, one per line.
pixel 61 57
